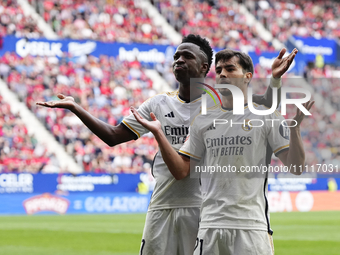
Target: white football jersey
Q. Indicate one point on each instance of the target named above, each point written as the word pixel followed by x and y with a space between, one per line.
pixel 174 115
pixel 234 198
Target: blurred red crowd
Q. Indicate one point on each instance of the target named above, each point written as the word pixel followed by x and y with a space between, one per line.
pixel 299 17
pixel 103 20
pixel 14 22
pixel 221 21
pixel 104 86
pixel 20 151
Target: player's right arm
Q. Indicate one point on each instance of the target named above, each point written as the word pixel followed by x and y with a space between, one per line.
pixel 111 135
pixel 178 165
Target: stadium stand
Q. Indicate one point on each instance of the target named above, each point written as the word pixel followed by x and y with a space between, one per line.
pixel 105 87
pixel 14 22
pixel 214 20
pixel 107 21
pixel 325 80
pixel 125 21
pixel 302 18
pixel 20 151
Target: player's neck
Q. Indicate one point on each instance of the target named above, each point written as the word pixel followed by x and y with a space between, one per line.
pixel 188 94
pixel 227 102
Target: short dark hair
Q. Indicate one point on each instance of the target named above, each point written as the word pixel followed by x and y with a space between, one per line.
pixel 243 59
pixel 203 44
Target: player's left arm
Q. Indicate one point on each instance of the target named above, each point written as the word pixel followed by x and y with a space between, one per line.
pixel 295 155
pixel 279 67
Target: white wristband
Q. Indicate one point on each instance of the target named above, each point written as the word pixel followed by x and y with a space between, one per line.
pixel 275 82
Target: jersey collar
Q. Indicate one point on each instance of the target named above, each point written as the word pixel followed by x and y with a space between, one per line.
pixel 184 101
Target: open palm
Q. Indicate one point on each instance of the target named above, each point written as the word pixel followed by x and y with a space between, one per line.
pixel 154 126
pixel 281 64
pixel 66 102
pixel 300 115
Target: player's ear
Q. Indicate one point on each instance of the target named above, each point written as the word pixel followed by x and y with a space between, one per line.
pixel 204 68
pixel 248 77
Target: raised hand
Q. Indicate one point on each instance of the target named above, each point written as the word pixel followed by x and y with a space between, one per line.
pixel 154 126
pixel 65 102
pixel 281 65
pixel 300 115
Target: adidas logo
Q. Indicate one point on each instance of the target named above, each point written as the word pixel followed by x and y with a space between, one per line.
pixel 170 115
pixel 211 128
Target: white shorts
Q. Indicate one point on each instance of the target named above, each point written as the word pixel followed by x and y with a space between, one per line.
pixel 170 232
pixel 212 241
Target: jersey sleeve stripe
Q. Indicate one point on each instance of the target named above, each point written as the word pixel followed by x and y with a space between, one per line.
pixel 281 148
pixel 131 128
pixel 188 154
pixel 184 155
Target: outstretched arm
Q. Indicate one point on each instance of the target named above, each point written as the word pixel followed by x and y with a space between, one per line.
pixel 111 135
pixel 178 165
pixel 279 67
pixel 295 156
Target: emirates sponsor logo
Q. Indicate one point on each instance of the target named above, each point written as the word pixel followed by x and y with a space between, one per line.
pixel 46 202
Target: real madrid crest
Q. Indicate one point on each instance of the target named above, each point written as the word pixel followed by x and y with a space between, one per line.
pixel 246 127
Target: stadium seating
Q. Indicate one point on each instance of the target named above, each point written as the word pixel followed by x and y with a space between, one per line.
pixel 325 81
pixel 124 21
pixel 14 22
pixel 220 21
pixel 300 17
pixel 105 87
pixel 106 21
pixel 19 151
